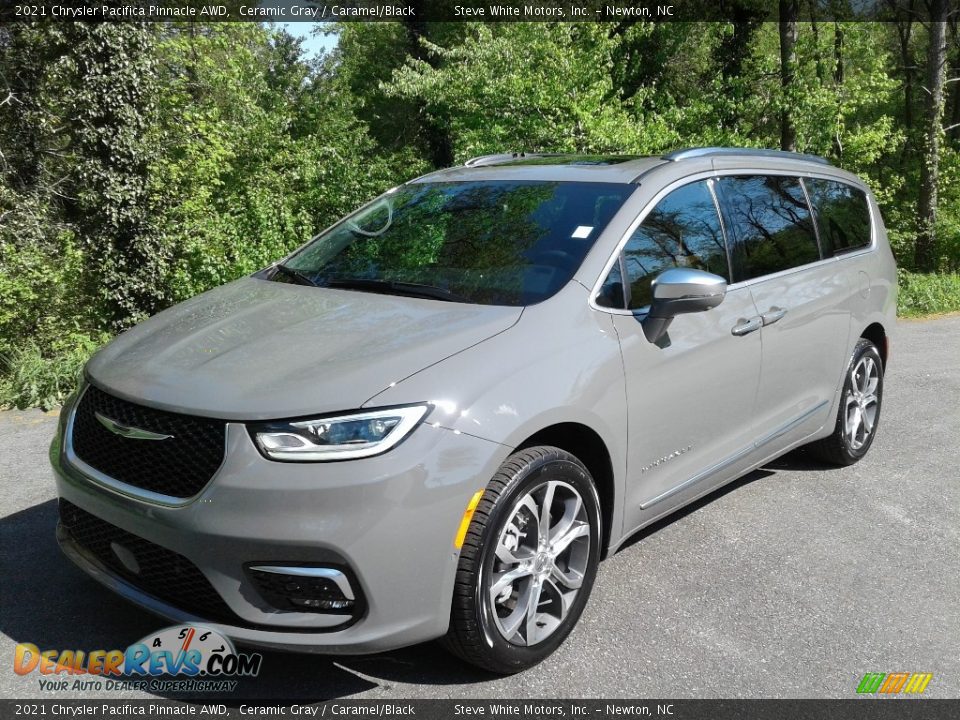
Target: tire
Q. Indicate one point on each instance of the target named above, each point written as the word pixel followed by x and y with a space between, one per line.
pixel 505 562
pixel 859 412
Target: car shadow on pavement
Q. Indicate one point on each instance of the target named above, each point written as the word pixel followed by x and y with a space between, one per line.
pixel 50 603
pixel 678 515
pixel 799 460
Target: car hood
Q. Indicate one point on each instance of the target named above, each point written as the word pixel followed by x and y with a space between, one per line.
pixel 255 349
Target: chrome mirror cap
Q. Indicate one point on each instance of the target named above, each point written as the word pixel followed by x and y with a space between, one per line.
pixel 678 291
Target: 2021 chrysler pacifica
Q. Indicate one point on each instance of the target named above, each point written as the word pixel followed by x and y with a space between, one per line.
pixel 433 419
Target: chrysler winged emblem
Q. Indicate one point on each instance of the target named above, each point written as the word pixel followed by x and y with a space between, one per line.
pixel 134 433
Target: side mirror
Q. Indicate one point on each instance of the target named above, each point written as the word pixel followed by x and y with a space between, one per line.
pixel 677 291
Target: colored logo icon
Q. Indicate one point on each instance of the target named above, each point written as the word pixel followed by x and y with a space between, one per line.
pixel 894 683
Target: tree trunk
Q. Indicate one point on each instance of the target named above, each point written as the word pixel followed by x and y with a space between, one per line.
pixel 838 86
pixel 439 145
pixel 925 256
pixel 729 55
pixel 954 76
pixel 955 113
pixel 904 22
pixel 789 12
pixel 815 31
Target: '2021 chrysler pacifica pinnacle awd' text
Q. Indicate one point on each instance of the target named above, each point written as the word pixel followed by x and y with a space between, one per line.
pixel 433 419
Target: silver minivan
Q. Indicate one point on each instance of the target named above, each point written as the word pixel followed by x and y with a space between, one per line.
pixel 435 418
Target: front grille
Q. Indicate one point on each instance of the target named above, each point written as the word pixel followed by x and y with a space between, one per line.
pixel 162 573
pixel 178 466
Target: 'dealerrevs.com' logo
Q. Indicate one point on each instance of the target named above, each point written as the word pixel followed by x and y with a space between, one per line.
pixel 180 658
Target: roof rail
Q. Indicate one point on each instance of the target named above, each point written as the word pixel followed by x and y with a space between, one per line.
pixel 751 152
pixel 503 157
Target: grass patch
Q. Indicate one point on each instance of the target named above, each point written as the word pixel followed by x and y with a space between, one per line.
pixel 927 294
pixel 31 377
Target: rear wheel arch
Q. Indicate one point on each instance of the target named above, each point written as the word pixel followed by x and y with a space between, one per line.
pixel 877 334
pixel 858 413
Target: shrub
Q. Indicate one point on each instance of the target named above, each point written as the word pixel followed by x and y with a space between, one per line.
pixel 30 377
pixel 928 294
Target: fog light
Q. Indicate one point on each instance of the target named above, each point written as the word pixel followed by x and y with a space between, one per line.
pixel 319 604
pixel 305 589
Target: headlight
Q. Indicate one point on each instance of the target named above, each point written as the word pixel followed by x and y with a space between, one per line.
pixel 344 437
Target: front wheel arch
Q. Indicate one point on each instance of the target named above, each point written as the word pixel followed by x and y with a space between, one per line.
pixel 584 443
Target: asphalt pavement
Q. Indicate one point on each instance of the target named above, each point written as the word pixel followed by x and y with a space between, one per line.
pixel 791 582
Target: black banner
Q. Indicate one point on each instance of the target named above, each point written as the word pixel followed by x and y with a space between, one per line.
pixel 853 709
pixel 608 11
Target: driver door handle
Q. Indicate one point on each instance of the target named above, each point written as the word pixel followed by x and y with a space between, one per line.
pixel 772 315
pixel 744 327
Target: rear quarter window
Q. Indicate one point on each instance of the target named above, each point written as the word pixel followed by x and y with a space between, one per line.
pixel 843 216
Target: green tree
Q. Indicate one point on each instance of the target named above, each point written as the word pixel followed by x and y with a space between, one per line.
pixel 110 78
pixel 926 258
pixel 528 87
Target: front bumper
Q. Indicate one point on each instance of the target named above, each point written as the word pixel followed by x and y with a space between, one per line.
pixel 391 520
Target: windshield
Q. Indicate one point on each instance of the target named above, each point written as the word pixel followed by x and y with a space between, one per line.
pixel 491 242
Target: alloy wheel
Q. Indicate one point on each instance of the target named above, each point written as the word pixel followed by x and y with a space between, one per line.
pixel 861 403
pixel 542 556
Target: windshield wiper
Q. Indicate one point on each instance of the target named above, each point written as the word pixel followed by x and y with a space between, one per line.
pixel 396 287
pixel 295 275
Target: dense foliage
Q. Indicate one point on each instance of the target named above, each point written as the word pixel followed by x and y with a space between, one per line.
pixel 142 164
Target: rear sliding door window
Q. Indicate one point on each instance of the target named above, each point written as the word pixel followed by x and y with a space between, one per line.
pixel 771 220
pixel 843 216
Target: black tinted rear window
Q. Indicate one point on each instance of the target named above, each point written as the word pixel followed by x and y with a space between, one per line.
pixel 843 216
pixel 771 221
